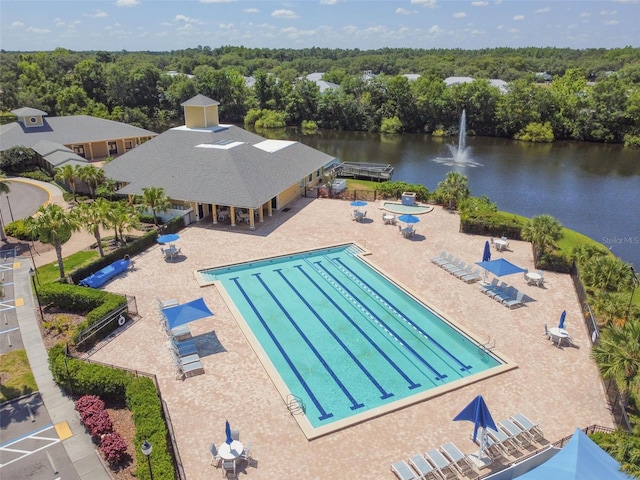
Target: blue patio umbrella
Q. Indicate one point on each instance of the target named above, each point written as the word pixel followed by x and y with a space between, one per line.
pixel 563 315
pixel 358 203
pixel 407 218
pixel 227 431
pixel 486 255
pixel 500 267
pixel 478 413
pixel 168 238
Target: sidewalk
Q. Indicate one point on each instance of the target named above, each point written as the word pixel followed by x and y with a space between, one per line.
pixel 79 447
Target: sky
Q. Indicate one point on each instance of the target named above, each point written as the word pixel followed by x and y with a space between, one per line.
pixel 164 25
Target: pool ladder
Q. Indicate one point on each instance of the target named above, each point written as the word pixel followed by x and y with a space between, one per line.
pixel 487 346
pixel 295 405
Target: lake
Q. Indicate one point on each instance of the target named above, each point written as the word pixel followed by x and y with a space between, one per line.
pixel 591 188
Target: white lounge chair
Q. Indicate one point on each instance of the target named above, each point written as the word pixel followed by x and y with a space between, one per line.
pixel 442 261
pixel 444 466
pixel 516 302
pixel 457 268
pixel 403 471
pixel 463 273
pixel 498 290
pixel 422 467
pixel 527 425
pixel 508 294
pixel 472 277
pixel 487 288
pixel 453 264
pixel 460 461
pixel 519 435
pixel 508 445
pixel 442 256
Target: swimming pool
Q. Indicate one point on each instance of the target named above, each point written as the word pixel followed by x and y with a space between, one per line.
pixel 344 338
pixel 396 207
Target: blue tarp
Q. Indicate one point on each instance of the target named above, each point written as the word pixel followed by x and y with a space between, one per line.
pixel 580 459
pixel 500 267
pixel 107 273
pixel 186 312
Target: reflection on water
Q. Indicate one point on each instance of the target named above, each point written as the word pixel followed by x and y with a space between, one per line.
pixel 592 188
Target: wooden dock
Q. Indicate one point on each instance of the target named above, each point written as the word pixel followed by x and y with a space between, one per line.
pixel 365 171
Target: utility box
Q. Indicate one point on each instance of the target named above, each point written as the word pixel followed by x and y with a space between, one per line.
pixel 338 186
pixel 408 198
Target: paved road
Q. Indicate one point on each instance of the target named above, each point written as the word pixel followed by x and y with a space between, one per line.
pixel 10 338
pixel 22 201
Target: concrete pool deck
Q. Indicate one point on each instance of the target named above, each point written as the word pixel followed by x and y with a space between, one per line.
pixel 558 387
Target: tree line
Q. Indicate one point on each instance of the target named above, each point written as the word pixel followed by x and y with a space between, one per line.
pixel 594 94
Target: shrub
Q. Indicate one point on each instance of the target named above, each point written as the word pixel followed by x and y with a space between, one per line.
pixel 114 448
pixel 19 230
pixel 270 119
pixel 88 403
pixel 144 218
pixel 632 140
pixel 536 132
pixel 98 424
pixel 309 126
pixel 37 175
pixel 391 125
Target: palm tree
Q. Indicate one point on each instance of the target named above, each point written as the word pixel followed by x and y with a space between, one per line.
pixel 68 174
pixel 93 216
pixel 617 355
pixel 92 176
pixel 453 189
pixel 122 217
pixel 543 231
pixel 606 273
pixel 610 308
pixel 585 252
pixel 4 188
pixel 155 199
pixel 52 224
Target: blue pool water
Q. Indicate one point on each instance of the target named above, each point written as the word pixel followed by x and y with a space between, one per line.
pixel 342 336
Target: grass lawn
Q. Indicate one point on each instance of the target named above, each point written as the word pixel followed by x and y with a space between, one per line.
pixel 50 272
pixel 17 379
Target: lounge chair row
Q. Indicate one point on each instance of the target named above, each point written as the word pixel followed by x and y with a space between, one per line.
pixel 503 293
pixel 186 360
pixel 448 462
pixel 457 267
pixel 514 435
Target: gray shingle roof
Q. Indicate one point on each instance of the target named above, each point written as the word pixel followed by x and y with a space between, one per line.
pixel 200 101
pixel 243 176
pixel 68 130
pixel 28 112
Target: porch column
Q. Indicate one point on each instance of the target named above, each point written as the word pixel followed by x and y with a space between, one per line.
pixel 252 223
pixel 269 209
pixel 232 213
pixel 214 213
pixel 261 214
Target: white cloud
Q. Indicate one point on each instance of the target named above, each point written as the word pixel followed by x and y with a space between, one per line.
pixel 283 13
pixel 127 3
pixel 435 29
pixel 515 31
pixel 611 22
pixel 184 18
pixel 608 12
pixel 251 10
pixel 216 1
pixel 226 26
pixel 543 10
pixel 626 1
pixel 500 27
pixel 426 3
pixel 517 18
pixel 459 15
pixel 585 15
pixel 402 11
pixel 38 30
pixel 98 14
pixel 17 24
pixel 328 2
pixel 479 4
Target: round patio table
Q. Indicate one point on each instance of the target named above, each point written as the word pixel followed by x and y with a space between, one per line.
pixel 231 452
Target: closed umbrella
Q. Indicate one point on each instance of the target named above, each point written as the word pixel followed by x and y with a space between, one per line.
pixel 562 317
pixel 227 431
pixel 478 413
pixel 486 255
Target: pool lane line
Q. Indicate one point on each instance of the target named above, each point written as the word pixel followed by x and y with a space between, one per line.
pixel 323 413
pixel 354 403
pixel 355 325
pixel 463 367
pixel 347 350
pixel 394 335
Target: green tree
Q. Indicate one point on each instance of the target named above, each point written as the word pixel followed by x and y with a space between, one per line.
pixel 453 189
pixel 536 132
pixel 93 216
pixel 391 125
pixel 52 224
pixel 617 355
pixel 606 273
pixel 543 231
pixel 68 174
pixel 4 188
pixel 92 176
pixel 155 199
pixel 122 218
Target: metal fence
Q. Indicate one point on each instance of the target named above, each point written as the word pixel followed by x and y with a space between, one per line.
pixel 587 431
pixel 171 439
pixel 351 195
pixel 614 397
pixel 111 321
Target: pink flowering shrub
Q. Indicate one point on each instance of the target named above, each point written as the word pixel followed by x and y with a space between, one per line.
pixel 114 448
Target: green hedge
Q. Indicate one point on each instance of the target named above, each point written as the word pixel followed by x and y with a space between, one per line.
pixel 141 398
pixel 81 299
pixel 492 225
pixel 19 230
